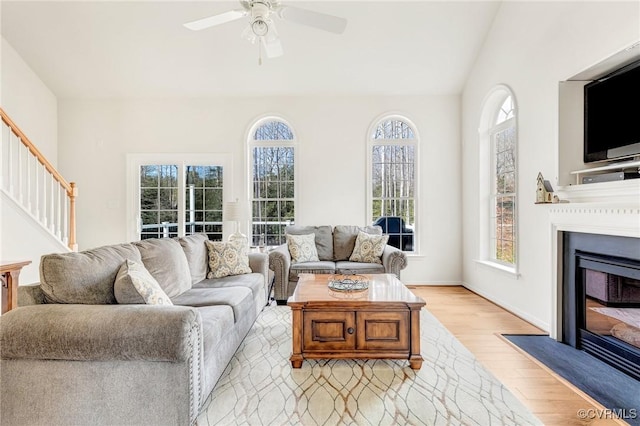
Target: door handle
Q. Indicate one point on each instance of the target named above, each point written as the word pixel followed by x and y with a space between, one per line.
pixel 350 330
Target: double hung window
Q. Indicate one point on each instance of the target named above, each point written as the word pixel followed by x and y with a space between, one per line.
pixel 503 194
pixel 392 180
pixel 272 161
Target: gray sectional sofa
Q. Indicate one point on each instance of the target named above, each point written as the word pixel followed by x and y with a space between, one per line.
pixel 71 355
pixel 334 246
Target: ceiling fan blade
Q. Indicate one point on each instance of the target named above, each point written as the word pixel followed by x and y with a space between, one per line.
pixel 273 48
pixel 317 20
pixel 214 20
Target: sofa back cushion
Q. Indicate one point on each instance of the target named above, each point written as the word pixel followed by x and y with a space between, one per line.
pixel 167 263
pixel 86 277
pixel 369 248
pixel 344 239
pixel 135 285
pixel 324 238
pixel 197 256
pixel 302 248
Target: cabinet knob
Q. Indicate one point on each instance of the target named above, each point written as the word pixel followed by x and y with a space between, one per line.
pixel 350 330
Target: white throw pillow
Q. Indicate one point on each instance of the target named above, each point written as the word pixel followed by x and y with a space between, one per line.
pixel 135 285
pixel 369 248
pixel 302 248
pixel 230 258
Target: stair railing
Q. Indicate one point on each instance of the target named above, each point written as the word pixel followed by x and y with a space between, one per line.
pixel 30 179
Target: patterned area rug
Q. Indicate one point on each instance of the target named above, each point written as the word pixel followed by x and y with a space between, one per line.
pixel 259 387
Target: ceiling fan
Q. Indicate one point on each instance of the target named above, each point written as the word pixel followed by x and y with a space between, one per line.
pixel 261 28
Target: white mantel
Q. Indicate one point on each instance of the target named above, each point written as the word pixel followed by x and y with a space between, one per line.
pixel 611 208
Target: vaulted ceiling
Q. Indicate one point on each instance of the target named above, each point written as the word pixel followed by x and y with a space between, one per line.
pixel 140 49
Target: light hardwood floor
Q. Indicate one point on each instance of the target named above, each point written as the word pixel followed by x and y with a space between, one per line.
pixel 478 323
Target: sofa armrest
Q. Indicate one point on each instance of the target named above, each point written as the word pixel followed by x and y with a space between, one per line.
pixel 259 262
pixel 279 263
pixel 30 294
pixel 101 333
pixel 394 260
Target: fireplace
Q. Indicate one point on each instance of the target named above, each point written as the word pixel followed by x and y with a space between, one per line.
pixel 601 298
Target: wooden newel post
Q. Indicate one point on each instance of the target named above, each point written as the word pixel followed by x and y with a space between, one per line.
pixel 73 245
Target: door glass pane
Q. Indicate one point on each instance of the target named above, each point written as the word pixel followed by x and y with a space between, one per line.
pixel 158 201
pixel 204 200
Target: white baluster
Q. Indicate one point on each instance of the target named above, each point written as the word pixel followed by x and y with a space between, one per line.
pixel 36 187
pixel 52 208
pixel 59 213
pixel 2 165
pixel 44 198
pixel 20 173
pixel 28 180
pixel 65 219
pixel 10 163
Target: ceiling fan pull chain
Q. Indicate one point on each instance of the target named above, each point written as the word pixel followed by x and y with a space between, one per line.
pixel 259 52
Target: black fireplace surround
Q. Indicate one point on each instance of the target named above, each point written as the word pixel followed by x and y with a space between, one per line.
pixel 585 258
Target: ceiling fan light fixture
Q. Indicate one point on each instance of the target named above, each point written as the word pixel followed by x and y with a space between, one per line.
pixel 259 26
pixel 261 29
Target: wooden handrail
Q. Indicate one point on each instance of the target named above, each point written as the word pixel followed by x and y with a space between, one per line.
pixel 32 148
pixel 70 188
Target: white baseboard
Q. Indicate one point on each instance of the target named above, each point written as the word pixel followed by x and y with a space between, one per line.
pixel 427 283
pixel 543 325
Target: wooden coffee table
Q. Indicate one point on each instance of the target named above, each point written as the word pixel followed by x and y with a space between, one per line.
pixel 380 322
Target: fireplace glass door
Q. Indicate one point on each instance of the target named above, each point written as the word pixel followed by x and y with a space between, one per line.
pixel 608 307
pixel 612 306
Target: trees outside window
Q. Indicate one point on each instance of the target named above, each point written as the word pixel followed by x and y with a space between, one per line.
pixel 170 198
pixel 272 150
pixel 503 185
pixel 158 201
pixel 392 180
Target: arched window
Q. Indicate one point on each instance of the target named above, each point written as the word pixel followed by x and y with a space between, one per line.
pixel 272 161
pixel 499 139
pixel 392 180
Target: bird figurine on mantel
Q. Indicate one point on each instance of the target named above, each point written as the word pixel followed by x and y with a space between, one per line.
pixel 544 191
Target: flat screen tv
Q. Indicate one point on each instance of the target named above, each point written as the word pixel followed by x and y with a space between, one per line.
pixel 612 115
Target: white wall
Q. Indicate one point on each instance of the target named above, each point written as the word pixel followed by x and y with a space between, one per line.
pixel 29 102
pixel 33 107
pixel 24 239
pixel 96 135
pixel 532 46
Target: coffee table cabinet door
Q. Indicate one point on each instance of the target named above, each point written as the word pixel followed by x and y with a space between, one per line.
pixel 383 331
pixel 329 331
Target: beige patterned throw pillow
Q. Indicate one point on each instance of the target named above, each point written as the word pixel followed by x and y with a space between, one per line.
pixel 369 248
pixel 230 258
pixel 302 248
pixel 135 285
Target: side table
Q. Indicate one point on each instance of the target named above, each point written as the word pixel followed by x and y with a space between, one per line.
pixel 9 273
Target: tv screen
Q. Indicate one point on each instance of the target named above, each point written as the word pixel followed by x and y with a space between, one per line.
pixel 612 115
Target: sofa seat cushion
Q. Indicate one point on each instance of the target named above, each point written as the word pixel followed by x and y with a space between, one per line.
pixel 197 256
pixel 320 267
pixel 344 239
pixel 240 299
pixel 217 335
pixel 217 320
pixel 324 238
pixel 165 260
pixel 86 277
pixel 345 267
pixel 252 281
